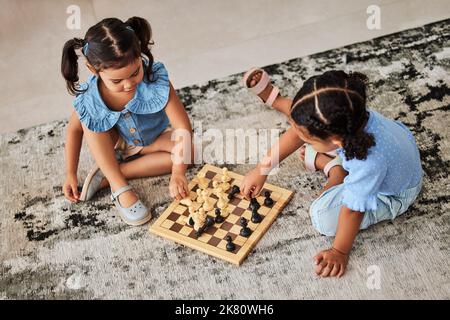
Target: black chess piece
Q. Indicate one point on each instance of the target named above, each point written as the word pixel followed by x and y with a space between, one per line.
pixel 245 231
pixel 209 221
pixel 254 204
pixel 218 218
pixel 230 245
pixel 234 190
pixel 199 232
pixel 191 221
pixel 256 217
pixel 268 200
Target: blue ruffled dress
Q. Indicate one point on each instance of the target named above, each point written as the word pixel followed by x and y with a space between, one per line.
pixel 141 121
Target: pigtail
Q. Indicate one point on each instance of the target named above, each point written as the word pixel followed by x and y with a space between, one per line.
pixel 69 65
pixel 143 31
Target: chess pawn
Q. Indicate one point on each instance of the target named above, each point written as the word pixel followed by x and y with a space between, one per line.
pixel 225 212
pixel 230 245
pixel 203 182
pixel 225 176
pixel 199 196
pixel 217 188
pixel 245 231
pixel 201 215
pixel 222 203
pixel 207 205
pixel 225 185
pixel 200 219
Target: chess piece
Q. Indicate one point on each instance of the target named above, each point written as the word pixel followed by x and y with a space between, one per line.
pixel 202 181
pixel 199 219
pixel 256 217
pixel 201 215
pixel 254 204
pixel 199 196
pixel 207 203
pixel 191 215
pixel 225 177
pixel 186 201
pixel 216 188
pixel 219 218
pixel 224 185
pixel 225 212
pixel 209 221
pixel 234 190
pixel 199 232
pixel 222 202
pixel 230 245
pixel 245 231
pixel 268 200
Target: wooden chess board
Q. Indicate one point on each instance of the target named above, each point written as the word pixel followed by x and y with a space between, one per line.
pixel 171 224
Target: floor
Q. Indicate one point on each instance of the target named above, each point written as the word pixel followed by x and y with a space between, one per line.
pixel 198 40
pixel 52 249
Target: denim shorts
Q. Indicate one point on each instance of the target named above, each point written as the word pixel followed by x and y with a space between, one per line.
pixel 325 209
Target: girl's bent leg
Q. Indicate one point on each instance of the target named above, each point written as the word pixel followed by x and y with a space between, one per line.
pixel 149 165
pixel 101 145
pixel 325 211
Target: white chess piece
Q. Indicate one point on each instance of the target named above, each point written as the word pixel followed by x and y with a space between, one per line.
pixel 207 204
pixel 186 201
pixel 225 185
pixel 203 182
pixel 201 219
pixel 225 177
pixel 199 196
pixel 222 203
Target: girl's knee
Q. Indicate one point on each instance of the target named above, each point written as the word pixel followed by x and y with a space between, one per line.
pixel 323 220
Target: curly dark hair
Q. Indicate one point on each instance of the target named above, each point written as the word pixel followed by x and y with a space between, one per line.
pixel 334 104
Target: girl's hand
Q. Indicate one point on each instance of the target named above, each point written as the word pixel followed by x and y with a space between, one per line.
pixel 70 188
pixel 252 183
pixel 178 186
pixel 331 262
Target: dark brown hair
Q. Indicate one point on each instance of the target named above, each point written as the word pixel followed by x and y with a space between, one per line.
pixel 111 43
pixel 334 103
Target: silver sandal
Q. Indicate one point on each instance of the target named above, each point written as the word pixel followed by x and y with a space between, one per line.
pixel 135 215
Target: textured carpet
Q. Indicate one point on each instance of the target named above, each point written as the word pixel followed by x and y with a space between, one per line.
pixel 52 249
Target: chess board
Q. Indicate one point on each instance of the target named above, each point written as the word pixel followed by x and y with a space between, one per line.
pixel 172 222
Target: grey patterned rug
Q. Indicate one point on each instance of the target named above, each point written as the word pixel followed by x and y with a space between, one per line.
pixel 54 250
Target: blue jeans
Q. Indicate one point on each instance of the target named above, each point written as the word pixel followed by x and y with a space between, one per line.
pixel 325 209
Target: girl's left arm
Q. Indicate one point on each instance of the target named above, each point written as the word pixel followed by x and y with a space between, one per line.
pixel 333 262
pixel 182 153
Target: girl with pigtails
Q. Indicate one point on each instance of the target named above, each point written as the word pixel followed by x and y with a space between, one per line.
pixel 124 111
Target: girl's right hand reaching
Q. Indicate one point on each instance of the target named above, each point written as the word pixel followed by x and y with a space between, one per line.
pixel 253 183
pixel 70 188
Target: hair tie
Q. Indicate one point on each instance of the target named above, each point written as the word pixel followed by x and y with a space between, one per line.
pixel 85 48
pixel 129 28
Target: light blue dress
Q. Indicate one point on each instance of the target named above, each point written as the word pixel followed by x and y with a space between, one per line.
pixel 382 186
pixel 141 121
